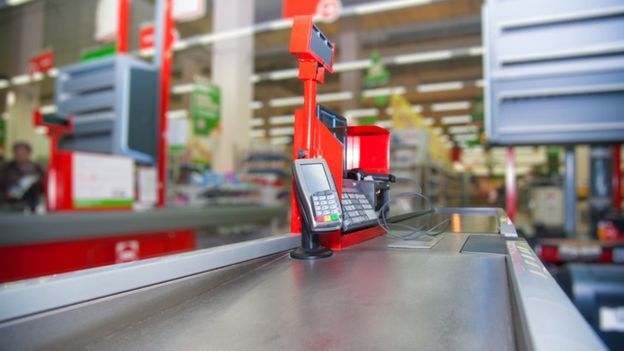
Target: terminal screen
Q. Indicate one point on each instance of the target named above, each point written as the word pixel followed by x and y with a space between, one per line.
pixel 315 178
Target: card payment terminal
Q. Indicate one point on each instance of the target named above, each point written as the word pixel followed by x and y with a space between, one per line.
pixel 317 195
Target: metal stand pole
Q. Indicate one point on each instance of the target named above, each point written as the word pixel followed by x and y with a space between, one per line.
pixel 570 192
pixel 510 184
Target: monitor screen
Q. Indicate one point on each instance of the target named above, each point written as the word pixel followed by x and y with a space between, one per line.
pixel 314 177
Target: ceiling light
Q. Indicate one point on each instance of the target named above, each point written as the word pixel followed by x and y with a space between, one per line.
pixel 289 101
pixel 288 119
pixel 456 119
pixel 280 141
pixel 447 106
pixel 429 121
pixel 257 133
pixel 341 96
pixel 364 112
pixel 282 131
pixel 465 137
pixel 352 65
pixel 384 124
pixel 177 114
pixel 475 51
pixel 48 109
pixel 437 130
pixel 387 5
pixel 427 88
pixel 182 88
pixel 423 57
pixel 256 122
pixel 383 92
pixel 283 74
pixel 4 83
pixel 256 105
pixel 19 80
pixel 463 129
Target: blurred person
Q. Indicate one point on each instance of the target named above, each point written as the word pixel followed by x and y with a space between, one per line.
pixel 21 180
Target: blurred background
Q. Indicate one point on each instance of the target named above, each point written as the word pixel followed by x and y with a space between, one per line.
pixel 85 181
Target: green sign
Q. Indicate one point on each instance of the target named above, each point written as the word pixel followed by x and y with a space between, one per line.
pixel 2 130
pixel 205 107
pixel 99 52
pixel 377 74
pixel 477 109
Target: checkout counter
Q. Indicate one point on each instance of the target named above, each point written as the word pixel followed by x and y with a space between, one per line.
pixel 474 286
pixel 479 287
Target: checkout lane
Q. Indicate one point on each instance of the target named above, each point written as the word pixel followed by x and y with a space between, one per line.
pixel 456 295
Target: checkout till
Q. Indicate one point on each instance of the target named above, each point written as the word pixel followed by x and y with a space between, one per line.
pixel 346 286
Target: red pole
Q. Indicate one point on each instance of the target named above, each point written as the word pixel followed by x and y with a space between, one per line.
pixel 510 185
pixel 617 177
pixel 166 60
pixel 123 24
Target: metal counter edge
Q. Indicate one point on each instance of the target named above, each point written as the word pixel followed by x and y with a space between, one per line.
pixel 27 297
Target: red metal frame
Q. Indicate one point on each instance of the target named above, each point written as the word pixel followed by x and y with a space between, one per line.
pixel 313 139
pixel 617 177
pixel 165 78
pixel 41 259
pixel 123 25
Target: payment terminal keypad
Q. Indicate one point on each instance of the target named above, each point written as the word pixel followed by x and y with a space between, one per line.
pixel 357 210
pixel 326 207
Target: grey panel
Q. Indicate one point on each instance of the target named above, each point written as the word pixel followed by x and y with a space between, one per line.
pixel 554 71
pixel 485 244
pixel 16 230
pixel 119 89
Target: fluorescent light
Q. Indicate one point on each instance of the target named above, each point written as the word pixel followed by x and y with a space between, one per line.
pixel 280 141
pixel 363 112
pixel 447 106
pixel 463 119
pixel 437 130
pixel 19 80
pixel 444 137
pixel 256 105
pixel 383 92
pixel 288 119
pixel 4 83
pixel 423 57
pixel 257 133
pixel 254 78
pixel 352 65
pixel 387 6
pixel 146 52
pixel 282 131
pixel 475 51
pixel 10 98
pixel 280 24
pixel 463 129
pixel 341 96
pixel 289 101
pixel 180 45
pixel 37 77
pixel 427 88
pixel 384 124
pixel 41 130
pixel 53 72
pixel 256 122
pixel 16 2
pixel 465 137
pixel 177 114
pixel 47 109
pixel 417 108
pixel 283 74
pixel 182 88
pixel 429 121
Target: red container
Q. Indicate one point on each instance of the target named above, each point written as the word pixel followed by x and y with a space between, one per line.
pixel 368 148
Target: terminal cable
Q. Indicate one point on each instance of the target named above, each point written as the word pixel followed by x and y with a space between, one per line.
pixel 403 231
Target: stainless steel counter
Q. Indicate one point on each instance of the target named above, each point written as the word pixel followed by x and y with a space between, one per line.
pixel 469 292
pixel 27 229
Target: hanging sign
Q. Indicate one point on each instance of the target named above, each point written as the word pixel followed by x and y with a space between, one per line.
pixel 205 107
pixel 41 63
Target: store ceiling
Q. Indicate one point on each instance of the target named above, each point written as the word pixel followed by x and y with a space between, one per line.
pixel 434 27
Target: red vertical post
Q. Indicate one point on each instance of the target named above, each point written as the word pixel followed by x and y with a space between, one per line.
pixel 510 184
pixel 617 177
pixel 166 61
pixel 123 25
